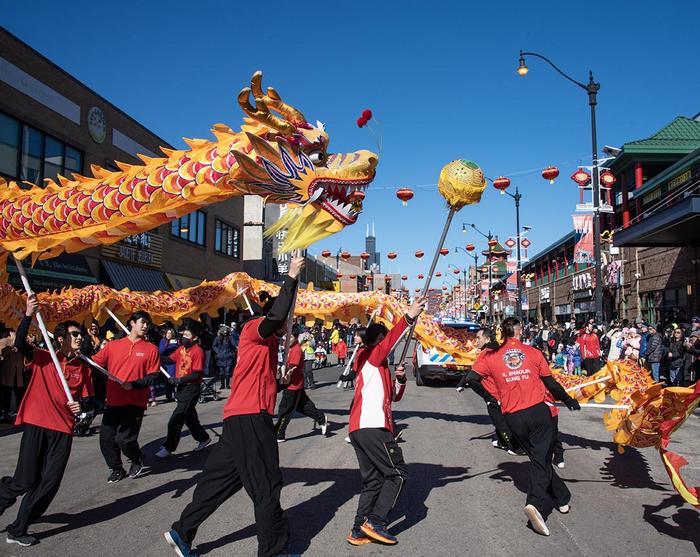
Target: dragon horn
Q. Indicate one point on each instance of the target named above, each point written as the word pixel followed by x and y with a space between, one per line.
pixel 261 114
pixel 274 101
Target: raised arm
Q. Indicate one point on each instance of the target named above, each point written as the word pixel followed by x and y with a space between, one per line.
pixel 23 347
pixel 279 312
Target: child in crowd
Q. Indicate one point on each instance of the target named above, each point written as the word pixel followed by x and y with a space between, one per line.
pixel 560 358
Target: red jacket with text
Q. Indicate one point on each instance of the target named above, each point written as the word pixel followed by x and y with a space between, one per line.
pixel 590 345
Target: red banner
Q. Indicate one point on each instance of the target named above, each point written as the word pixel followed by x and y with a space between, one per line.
pixel 583 246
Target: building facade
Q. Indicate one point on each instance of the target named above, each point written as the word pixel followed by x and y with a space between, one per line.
pixel 52 124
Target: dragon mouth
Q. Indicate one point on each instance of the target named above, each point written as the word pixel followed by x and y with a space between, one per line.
pixel 336 197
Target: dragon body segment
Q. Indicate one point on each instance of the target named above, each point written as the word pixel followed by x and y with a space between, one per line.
pixel 277 154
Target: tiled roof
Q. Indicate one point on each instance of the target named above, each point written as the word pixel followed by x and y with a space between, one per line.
pixel 681 135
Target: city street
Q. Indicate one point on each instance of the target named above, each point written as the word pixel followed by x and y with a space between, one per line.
pixel 463 497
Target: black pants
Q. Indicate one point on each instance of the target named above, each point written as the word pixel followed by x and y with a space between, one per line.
pixel 246 456
pixel 309 382
pixel 499 422
pixel 591 365
pixel 224 372
pixel 297 401
pixel 535 430
pixel 43 456
pixel 185 413
pixel 383 473
pixel 558 448
pixel 119 434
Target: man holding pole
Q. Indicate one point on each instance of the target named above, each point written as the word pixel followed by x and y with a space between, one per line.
pixel 247 454
pixel 48 418
pixel 136 362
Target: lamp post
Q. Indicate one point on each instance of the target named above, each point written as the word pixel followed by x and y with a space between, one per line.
pixel 463 289
pixel 489 238
pixel 591 88
pixel 476 269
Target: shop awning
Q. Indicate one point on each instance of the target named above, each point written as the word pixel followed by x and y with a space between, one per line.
pixel 66 270
pixel 678 225
pixel 178 282
pixel 134 278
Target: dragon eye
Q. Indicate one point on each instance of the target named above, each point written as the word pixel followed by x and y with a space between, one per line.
pixel 317 157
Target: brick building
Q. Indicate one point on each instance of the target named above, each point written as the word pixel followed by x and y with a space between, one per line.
pixel 50 124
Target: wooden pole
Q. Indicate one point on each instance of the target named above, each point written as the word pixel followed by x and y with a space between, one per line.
pixel 588 384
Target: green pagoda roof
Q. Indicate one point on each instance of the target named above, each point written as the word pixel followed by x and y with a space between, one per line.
pixel 680 136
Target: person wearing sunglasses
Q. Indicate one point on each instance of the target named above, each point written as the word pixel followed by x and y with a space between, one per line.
pixel 48 419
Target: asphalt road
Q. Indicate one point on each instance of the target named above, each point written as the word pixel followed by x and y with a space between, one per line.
pixel 463 495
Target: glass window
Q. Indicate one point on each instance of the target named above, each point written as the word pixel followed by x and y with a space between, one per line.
pixel 191 228
pixel 73 160
pixel 32 140
pixel 53 158
pixel 227 239
pixel 9 145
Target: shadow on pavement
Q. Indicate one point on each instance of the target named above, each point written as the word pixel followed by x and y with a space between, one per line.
pixel 683 524
pixel 479 419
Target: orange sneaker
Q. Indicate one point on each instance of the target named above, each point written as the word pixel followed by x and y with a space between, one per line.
pixel 357 537
pixel 378 533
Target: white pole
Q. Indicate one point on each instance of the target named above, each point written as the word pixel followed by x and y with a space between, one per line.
pixel 127 331
pixel 100 368
pixel 607 406
pixel 247 303
pixel 582 385
pixel 44 331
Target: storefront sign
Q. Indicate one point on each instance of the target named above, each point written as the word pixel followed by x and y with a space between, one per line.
pixel 678 180
pixel 145 249
pixel 544 294
pixel 564 309
pixel 582 281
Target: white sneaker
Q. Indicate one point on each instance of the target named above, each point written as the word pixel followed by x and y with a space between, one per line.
pixel 536 520
pixel 163 453
pixel 347 440
pixel 561 464
pixel 564 509
pixel 495 442
pixel 203 445
pixel 324 427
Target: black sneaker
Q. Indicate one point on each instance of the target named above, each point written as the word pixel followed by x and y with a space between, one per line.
pixel 117 475
pixel 137 469
pixel 25 541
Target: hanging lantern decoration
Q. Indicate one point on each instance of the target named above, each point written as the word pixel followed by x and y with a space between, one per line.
pixel 405 195
pixel 345 255
pixel 492 243
pixel 364 256
pixel 444 287
pixel 501 184
pixel 420 277
pixel 444 251
pixel 525 243
pixel 581 177
pixel 419 254
pixel 339 275
pixel 357 195
pixel 471 247
pixel 484 269
pixel 456 271
pixel 417 289
pixel 391 255
pixel 353 276
pixel 404 277
pixel 607 179
pixel 550 173
pixel 510 243
pixel 438 274
pixel 326 253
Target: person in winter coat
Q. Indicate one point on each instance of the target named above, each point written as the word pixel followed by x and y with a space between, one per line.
pixel 655 351
pixel 225 353
pixel 167 345
pixel 615 335
pixel 341 350
pixel 590 350
pixel 676 355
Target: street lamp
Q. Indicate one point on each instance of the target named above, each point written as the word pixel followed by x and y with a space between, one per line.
pixel 475 255
pixel 489 238
pixel 591 88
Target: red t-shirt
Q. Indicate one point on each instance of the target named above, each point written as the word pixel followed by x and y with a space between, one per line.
pixel 129 361
pixel 296 358
pixel 188 360
pixel 549 401
pixel 487 382
pixel 254 385
pixel 516 370
pixel 45 403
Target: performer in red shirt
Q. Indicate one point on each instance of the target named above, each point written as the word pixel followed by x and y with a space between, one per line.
pixel 247 453
pixel 136 362
pixel 381 461
pixel 48 420
pixel 189 372
pixel 294 397
pixel 521 376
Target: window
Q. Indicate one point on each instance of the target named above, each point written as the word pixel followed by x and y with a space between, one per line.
pixel 227 239
pixel 191 228
pixel 27 153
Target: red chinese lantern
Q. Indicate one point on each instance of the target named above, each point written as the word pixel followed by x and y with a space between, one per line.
pixel 404 277
pixel 492 243
pixel 391 255
pixel 484 269
pixel 417 289
pixel 419 254
pixel 367 114
pixel 456 271
pixel 607 179
pixel 405 195
pixel 510 243
pixel 326 253
pixel 353 276
pixel 525 243
pixel 420 277
pixel 550 173
pixel 364 256
pixel 581 177
pixel 444 251
pixel 357 195
pixel 444 287
pixel 501 184
pixel 438 274
pixel 339 275
pixel 471 247
pixel 345 255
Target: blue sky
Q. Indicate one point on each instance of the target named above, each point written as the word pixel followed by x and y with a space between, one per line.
pixel 439 76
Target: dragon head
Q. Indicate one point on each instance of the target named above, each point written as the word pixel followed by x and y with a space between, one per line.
pixel 286 160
